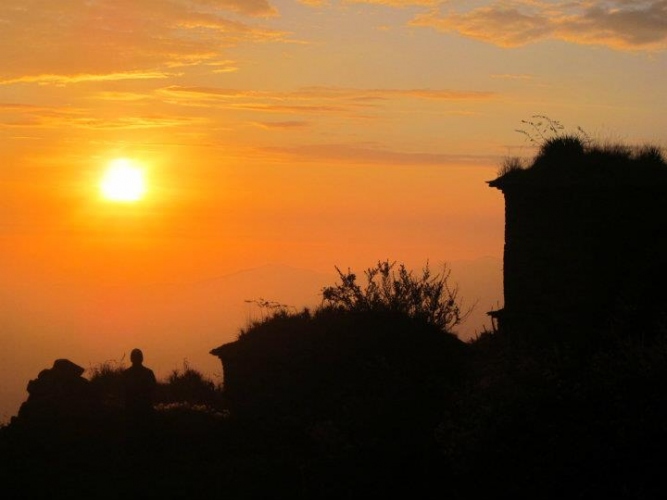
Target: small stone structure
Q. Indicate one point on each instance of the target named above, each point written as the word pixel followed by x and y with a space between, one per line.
pixel 322 364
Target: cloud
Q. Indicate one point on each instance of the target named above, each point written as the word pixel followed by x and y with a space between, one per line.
pixel 388 3
pixel 509 76
pixel 356 94
pixel 25 115
pixel 43 37
pixel 397 3
pixel 368 154
pixel 83 77
pixel 133 122
pixel 447 95
pixel 28 115
pixel 249 7
pixel 120 96
pixel 226 66
pixel 314 3
pixel 331 93
pixel 619 24
pixel 624 25
pixel 287 108
pixel 353 103
pixel 282 125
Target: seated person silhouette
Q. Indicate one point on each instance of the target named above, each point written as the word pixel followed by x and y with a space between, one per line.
pixel 139 385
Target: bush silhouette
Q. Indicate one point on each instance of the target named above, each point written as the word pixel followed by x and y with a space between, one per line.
pixel 576 157
pixel 106 381
pixel 188 386
pixel 427 297
pixel 185 388
pixel 370 370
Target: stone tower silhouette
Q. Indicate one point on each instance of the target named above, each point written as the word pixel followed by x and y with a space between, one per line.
pixel 585 240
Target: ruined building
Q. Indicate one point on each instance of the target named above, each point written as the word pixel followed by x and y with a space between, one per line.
pixel 585 240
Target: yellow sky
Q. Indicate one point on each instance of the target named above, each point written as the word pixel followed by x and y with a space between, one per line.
pixel 307 133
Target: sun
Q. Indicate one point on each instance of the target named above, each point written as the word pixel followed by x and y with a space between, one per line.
pixel 123 181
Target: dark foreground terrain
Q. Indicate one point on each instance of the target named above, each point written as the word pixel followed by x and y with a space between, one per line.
pixel 542 421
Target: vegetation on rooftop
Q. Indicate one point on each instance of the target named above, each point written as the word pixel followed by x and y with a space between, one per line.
pixel 576 157
pixel 389 288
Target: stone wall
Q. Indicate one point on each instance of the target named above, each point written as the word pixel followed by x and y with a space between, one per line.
pixel 580 255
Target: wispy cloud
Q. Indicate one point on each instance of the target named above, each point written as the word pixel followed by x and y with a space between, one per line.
pixel 291 124
pixel 314 3
pixel 333 93
pixel 54 79
pixel 397 3
pixel 121 96
pixel 287 108
pixel 446 95
pixel 25 115
pixel 353 103
pixel 42 37
pixel 28 115
pixel 619 24
pixel 389 93
pixel 365 153
pixel 134 122
pixel 387 3
pixel 508 76
pixel 250 7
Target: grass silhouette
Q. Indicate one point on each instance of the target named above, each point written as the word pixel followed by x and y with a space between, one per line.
pixel 576 159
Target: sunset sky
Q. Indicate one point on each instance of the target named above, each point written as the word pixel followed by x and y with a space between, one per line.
pixel 307 133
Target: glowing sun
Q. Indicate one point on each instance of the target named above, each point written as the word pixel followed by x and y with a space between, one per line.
pixel 123 181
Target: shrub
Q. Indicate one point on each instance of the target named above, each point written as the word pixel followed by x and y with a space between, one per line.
pixel 541 130
pixel 187 386
pixel 563 147
pixel 509 165
pixel 650 156
pixel 106 381
pixel 576 157
pixel 427 297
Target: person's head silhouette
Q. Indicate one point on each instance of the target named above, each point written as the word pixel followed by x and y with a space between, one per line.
pixel 137 357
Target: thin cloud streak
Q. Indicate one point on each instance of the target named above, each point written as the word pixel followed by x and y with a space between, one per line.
pixel 54 79
pixel 260 8
pixel 284 125
pixel 24 115
pixel 508 76
pixel 397 3
pixel 350 102
pixel 364 154
pixel 332 93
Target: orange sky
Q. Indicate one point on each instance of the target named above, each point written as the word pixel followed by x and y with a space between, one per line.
pixel 306 133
